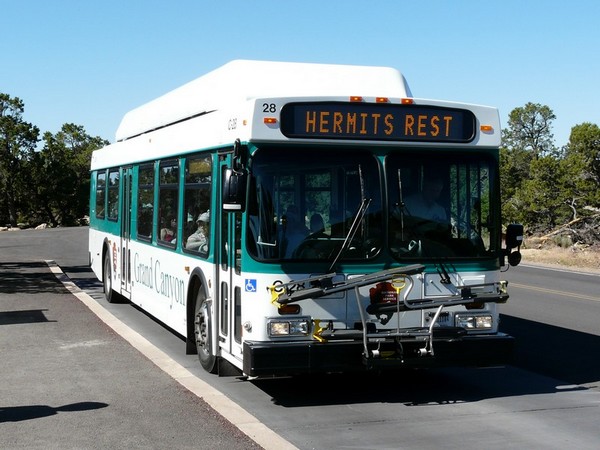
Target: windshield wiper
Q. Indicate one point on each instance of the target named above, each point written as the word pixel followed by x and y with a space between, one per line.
pixel 356 222
pixel 443 273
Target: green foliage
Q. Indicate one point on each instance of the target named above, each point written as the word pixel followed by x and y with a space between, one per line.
pixel 17 143
pixel 514 171
pixel 542 195
pixel 530 129
pixel 545 188
pixel 64 171
pixel 50 185
pixel 584 142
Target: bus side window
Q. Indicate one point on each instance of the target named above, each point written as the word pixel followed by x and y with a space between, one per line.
pixel 197 194
pixel 145 202
pixel 100 194
pixel 113 194
pixel 168 201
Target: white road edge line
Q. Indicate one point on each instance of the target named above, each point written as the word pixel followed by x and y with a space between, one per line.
pixel 242 419
pixel 560 269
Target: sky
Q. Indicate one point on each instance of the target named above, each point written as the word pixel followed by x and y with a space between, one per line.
pixel 89 62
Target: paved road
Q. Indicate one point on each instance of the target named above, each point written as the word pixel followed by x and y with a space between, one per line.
pixel 497 408
pixel 554 317
pixel 67 381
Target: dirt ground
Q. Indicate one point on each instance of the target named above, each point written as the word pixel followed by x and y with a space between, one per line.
pixel 574 257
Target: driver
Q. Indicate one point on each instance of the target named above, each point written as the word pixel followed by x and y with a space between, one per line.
pixel 421 215
pixel 294 230
pixel 424 204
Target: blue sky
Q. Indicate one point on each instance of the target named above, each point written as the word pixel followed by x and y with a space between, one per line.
pixel 89 62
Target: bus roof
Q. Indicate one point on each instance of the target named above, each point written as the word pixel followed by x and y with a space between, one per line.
pixel 242 80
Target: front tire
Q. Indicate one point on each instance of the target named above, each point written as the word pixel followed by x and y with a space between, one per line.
pixel 203 334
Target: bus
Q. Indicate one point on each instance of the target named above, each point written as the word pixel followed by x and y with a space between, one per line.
pixel 293 218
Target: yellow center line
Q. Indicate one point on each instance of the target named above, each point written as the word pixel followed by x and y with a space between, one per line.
pixel 554 291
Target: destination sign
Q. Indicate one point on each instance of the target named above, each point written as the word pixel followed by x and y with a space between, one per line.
pixel 387 122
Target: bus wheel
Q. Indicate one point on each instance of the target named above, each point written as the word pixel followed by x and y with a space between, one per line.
pixel 202 332
pixel 109 294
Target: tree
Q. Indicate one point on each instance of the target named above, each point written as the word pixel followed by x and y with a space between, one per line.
pixel 62 171
pixel 581 190
pixel 527 139
pixel 514 171
pixel 543 195
pixel 17 144
pixel 585 141
pixel 556 193
pixel 530 129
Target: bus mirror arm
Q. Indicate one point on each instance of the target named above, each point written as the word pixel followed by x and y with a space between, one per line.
pixel 240 156
pixel 239 152
pixel 513 239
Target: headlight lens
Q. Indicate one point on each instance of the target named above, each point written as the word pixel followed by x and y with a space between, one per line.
pixel 299 327
pixel 474 322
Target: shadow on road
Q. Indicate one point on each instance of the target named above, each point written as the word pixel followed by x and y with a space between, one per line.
pixel 553 351
pixel 20 413
pixel 410 387
pixel 82 276
pixel 27 278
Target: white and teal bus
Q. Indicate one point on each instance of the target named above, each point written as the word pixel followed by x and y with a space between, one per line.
pixel 293 218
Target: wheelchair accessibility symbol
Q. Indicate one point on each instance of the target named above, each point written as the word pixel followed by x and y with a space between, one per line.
pixel 250 285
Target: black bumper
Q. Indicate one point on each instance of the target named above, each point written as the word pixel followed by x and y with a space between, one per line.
pixel 290 358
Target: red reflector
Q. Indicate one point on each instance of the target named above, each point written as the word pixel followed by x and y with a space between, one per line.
pixel 289 309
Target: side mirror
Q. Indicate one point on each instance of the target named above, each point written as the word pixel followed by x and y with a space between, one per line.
pixel 514 235
pixel 234 189
pixel 513 239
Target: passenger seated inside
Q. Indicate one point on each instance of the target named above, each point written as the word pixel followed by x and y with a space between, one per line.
pixel 198 241
pixel 167 233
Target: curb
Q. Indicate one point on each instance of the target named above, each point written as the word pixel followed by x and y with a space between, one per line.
pixel 239 417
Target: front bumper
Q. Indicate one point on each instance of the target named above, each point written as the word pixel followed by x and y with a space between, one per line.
pixel 290 358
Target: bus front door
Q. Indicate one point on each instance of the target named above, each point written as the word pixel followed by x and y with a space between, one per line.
pixel 231 288
pixel 126 232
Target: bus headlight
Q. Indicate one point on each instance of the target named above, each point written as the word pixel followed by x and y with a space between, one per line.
pixel 474 321
pixel 296 327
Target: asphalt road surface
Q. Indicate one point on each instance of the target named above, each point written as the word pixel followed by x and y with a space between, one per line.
pixel 67 381
pixel 81 385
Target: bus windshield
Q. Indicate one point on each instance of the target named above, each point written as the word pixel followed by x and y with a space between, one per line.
pixel 302 205
pixel 441 206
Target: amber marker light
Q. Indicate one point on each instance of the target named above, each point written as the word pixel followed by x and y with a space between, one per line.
pixel 486 128
pixel 356 98
pixel 270 120
pixel 407 101
pixel 382 100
